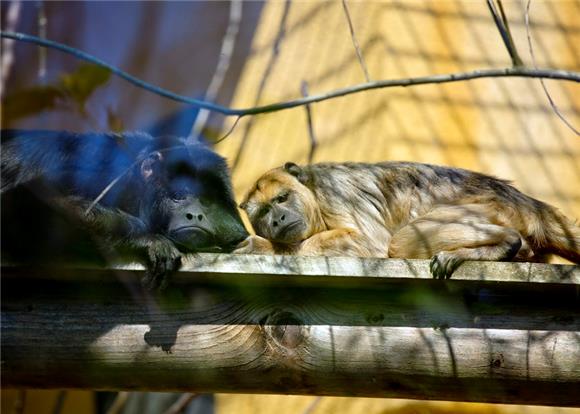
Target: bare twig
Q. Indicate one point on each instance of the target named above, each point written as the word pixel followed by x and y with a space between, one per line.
pixel 223 65
pixel 109 186
pixel 518 60
pixel 7 59
pixel 20 402
pixel 389 83
pixel 90 58
pixel 422 80
pixel 312 406
pixel 118 403
pixel 313 140
pixel 42 28
pixel 504 31
pixel 139 160
pixel 123 174
pixel 274 47
pixel 532 54
pixel 227 134
pixel 181 404
pixel 59 404
pixel 355 42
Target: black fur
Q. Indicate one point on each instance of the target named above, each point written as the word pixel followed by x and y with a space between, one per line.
pixel 167 198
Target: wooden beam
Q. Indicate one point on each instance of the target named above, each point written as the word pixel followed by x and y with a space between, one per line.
pixel 243 266
pixel 496 332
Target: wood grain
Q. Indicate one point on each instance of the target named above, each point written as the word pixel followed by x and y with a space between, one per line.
pixel 218 329
pixel 216 265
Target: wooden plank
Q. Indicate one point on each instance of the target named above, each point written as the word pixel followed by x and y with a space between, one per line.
pixel 467 340
pixel 225 265
pixel 377 268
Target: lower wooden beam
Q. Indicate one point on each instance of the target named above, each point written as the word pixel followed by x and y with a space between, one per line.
pixel 210 331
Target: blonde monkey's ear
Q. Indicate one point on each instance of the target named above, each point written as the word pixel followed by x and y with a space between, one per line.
pixel 296 171
pixel 243 205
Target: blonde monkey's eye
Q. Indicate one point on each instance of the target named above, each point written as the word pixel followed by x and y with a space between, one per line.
pixel 263 211
pixel 281 198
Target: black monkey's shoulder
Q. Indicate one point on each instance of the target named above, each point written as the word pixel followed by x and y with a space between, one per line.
pixel 138 197
pixel 81 163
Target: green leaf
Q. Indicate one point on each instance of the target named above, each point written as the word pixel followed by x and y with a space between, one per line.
pixel 80 84
pixel 76 86
pixel 30 101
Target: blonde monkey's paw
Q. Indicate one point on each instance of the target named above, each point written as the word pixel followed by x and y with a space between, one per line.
pixel 254 245
pixel 443 264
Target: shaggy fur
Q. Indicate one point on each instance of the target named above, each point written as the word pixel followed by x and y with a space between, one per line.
pixel 403 210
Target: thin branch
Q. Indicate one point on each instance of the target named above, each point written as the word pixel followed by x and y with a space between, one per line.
pixel 118 403
pixel 7 59
pixel 312 406
pixel 114 182
pixel 59 404
pixel 109 186
pixel 42 28
pixel 225 57
pixel 532 54
pixel 506 23
pixel 20 402
pixel 355 42
pixel 136 81
pixel 422 80
pixel 505 33
pixel 227 134
pixel 313 140
pixel 181 404
pixel 123 174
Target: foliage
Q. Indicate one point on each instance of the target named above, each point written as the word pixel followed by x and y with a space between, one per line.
pixel 70 90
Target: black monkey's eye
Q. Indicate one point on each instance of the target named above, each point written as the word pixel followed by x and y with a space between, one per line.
pixel 183 169
pixel 178 196
pixel 281 198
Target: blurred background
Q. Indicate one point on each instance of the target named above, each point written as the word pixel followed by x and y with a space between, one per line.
pixel 502 126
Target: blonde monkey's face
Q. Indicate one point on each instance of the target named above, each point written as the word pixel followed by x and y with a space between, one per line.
pixel 281 208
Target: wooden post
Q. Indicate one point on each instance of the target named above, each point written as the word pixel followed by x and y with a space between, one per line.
pixel 496 332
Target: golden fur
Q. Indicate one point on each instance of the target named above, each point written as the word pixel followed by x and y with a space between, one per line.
pixel 404 210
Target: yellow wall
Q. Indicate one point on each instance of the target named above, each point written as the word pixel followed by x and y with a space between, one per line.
pixel 281 404
pixel 44 401
pixel 503 127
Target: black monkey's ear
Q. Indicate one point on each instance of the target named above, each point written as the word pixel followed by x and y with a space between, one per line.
pixel 296 171
pixel 150 165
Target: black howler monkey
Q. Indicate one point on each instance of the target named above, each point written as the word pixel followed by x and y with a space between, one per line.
pixel 132 196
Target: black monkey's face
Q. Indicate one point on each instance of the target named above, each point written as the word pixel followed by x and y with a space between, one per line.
pixel 282 209
pixel 203 224
pixel 191 199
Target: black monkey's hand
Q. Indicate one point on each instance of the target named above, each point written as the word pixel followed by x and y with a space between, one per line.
pixel 163 259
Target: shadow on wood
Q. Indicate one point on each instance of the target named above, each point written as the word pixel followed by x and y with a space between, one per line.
pixel 497 332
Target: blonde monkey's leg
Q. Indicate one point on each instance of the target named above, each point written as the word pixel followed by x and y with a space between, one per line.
pixel 449 235
pixel 338 242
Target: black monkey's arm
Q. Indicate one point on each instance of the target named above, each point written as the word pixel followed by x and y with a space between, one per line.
pixel 105 222
pixel 123 236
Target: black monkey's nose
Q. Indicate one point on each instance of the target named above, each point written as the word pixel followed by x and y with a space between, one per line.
pixel 189 216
